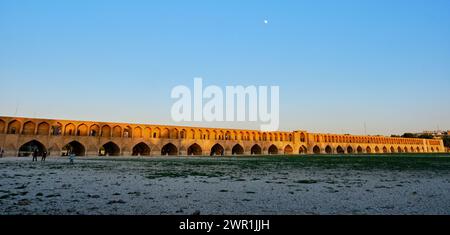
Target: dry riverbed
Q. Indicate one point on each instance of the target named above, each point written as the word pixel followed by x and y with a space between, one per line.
pixel 392 184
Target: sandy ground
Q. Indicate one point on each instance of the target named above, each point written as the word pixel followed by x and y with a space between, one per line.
pixel 176 185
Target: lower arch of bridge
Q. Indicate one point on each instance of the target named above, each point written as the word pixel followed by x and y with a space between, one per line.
pixel 359 149
pixel 385 150
pixel 109 149
pixel 74 147
pixel 273 149
pixel 340 150
pixel 256 149
pixel 141 149
pixel 303 150
pixel 288 149
pixel 237 150
pixel 399 149
pixel 194 149
pixel 349 150
pixel 217 150
pixel 29 147
pixel 368 149
pixel 316 149
pixel 328 150
pixel 377 150
pixel 169 149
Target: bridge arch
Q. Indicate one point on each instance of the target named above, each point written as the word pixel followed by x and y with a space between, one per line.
pixel 399 149
pixel 237 150
pixel 74 147
pixel 316 149
pixel 392 149
pixel 256 149
pixel 27 148
pixel 273 149
pixel 106 131
pixel 328 149
pixel 28 128
pixel 288 149
pixel 141 149
pixel 14 127
pixel 2 126
pixel 368 149
pixel 385 150
pixel 349 150
pixel 217 150
pixel 359 150
pixel 377 149
pixel 194 149
pixel 43 128
pixel 109 149
pixel 303 150
pixel 340 150
pixel 169 149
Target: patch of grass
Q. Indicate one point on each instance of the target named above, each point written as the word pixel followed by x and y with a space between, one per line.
pixel 305 181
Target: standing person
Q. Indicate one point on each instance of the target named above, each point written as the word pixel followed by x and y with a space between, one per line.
pixel 35 154
pixel 44 155
pixel 71 157
pixel 1 153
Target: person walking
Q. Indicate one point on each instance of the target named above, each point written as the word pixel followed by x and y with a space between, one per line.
pixel 35 154
pixel 44 155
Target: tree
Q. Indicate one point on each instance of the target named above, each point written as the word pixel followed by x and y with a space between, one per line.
pixel 425 136
pixel 446 140
pixel 409 135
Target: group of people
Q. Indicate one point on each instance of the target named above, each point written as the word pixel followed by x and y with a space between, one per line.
pixel 35 155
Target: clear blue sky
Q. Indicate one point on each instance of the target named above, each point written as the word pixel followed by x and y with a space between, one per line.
pixel 338 63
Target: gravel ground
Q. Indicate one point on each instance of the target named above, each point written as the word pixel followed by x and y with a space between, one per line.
pixel 265 185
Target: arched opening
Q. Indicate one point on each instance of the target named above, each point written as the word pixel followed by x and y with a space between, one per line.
pixel 106 131
pixel 141 149
pixel 169 149
pixel 14 127
pixel 28 128
pixel 302 137
pixel 418 150
pixel 340 150
pixel 359 149
pixel 392 149
pixel 328 150
pixel 412 149
pixel 237 150
pixel 288 149
pixel 109 149
pixel 43 128
pixel 117 131
pixel 273 149
pixel 406 149
pixel 316 150
pixel 217 150
pixel 377 150
pixel 302 150
pixel 28 148
pixel 368 150
pixel 74 147
pixel 349 150
pixel 194 149
pixel 2 126
pixel 256 149
pixel 69 129
pixel 385 150
pixel 399 149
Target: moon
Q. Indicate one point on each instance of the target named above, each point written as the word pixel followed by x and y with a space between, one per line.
pixel 266 21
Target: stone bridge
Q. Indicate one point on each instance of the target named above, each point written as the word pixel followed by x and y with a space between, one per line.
pixel 20 136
